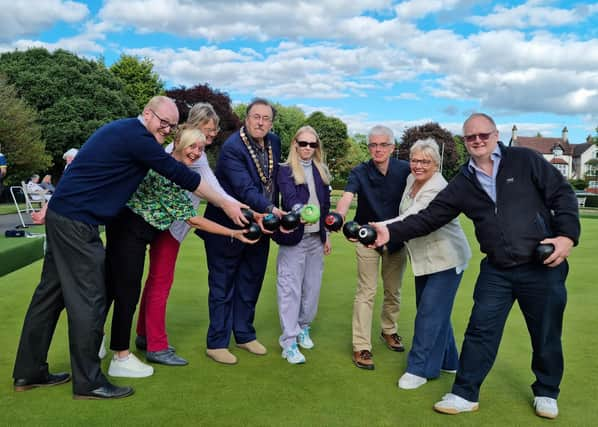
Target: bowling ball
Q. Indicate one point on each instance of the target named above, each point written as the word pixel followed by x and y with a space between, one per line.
pixel 248 214
pixel 333 221
pixel 271 222
pixel 310 214
pixel 253 231
pixel 543 251
pixel 367 235
pixel 351 230
pixel 290 221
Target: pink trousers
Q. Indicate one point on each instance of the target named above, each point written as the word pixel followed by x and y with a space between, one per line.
pixel 151 322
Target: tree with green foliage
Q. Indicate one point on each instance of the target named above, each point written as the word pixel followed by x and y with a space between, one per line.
pixel 73 96
pixel 335 139
pixel 286 123
pixel 446 144
pixel 140 81
pixel 20 137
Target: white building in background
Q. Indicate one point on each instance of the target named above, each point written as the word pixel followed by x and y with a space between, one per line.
pixel 573 160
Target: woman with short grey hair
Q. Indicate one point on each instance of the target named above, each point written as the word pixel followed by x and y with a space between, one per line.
pixel 438 261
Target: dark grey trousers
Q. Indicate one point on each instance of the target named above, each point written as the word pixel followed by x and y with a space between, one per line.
pixel 72 278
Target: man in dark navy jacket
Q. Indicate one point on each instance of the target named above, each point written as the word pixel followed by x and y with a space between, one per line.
pixel 246 170
pixel 516 200
pixel 93 189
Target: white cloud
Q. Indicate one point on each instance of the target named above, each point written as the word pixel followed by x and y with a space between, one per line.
pixel 414 9
pixel 533 14
pixel 23 18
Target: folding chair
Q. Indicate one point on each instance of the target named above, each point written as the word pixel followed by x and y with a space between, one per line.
pixel 22 189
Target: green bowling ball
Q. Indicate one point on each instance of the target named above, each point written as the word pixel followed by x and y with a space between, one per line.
pixel 310 214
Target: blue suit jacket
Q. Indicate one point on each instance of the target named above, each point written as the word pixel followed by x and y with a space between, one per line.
pixel 292 194
pixel 239 177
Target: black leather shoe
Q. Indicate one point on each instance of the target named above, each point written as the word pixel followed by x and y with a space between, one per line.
pixel 22 384
pixel 141 344
pixel 108 391
pixel 165 357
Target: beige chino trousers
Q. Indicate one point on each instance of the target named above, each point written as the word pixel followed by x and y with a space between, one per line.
pixel 393 267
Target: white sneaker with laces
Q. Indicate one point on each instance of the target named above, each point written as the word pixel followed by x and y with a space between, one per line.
pixel 293 355
pixel 546 407
pixel 102 350
pixel 453 404
pixel 410 381
pixel 304 340
pixel 131 367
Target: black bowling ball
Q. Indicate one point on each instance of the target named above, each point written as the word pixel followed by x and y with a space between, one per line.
pixel 543 251
pixel 253 231
pixel 248 214
pixel 290 221
pixel 367 235
pixel 271 222
pixel 333 221
pixel 351 230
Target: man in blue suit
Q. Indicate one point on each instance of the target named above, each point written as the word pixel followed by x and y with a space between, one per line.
pixel 246 169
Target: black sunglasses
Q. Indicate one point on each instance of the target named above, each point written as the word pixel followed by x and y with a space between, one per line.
pixel 305 144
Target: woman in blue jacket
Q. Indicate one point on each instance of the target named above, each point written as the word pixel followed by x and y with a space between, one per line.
pixel 302 179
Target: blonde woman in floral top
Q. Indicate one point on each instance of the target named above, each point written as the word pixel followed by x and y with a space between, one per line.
pixel 155 205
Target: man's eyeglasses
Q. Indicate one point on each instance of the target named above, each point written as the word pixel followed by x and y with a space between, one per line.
pixel 165 123
pixel 306 143
pixel 373 146
pixel 424 162
pixel 257 118
pixel 483 136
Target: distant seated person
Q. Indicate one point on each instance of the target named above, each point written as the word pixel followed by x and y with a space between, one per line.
pixel 35 191
pixel 69 155
pixel 47 185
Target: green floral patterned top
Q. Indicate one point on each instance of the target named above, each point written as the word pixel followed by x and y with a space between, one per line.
pixel 160 201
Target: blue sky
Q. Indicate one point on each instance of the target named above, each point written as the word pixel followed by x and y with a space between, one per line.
pixel 532 63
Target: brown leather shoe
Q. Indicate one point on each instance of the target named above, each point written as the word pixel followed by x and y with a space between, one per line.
pixel 392 341
pixel 363 359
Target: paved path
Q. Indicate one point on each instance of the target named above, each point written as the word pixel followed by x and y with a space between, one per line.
pixel 10 221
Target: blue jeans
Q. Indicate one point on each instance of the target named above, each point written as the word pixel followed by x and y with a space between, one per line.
pixel 541 294
pixel 434 345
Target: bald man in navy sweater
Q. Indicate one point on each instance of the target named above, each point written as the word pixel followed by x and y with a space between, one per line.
pixel 93 189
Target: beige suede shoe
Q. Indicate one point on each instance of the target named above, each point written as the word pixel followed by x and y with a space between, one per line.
pixel 254 347
pixel 222 355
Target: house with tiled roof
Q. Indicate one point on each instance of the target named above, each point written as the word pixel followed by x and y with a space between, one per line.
pixel 575 161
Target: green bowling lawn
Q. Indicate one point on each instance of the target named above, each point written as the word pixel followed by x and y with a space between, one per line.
pixel 328 389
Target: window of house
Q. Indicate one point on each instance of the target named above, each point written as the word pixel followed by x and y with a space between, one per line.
pixel 557 151
pixel 563 169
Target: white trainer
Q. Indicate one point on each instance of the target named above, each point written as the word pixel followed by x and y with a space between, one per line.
pixel 131 367
pixel 411 382
pixel 304 340
pixel 102 350
pixel 453 404
pixel 546 407
pixel 293 355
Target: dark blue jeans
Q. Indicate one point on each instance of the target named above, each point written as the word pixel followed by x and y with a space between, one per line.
pixel 434 345
pixel 541 294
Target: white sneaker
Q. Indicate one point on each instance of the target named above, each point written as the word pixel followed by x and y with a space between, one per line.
pixel 131 367
pixel 546 407
pixel 453 404
pixel 293 355
pixel 410 382
pixel 102 350
pixel 304 340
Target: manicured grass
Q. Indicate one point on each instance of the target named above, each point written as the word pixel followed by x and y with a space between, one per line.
pixel 328 389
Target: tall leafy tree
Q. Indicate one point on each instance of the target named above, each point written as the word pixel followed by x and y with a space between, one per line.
pixel 20 136
pixel 334 137
pixel 73 96
pixel 288 120
pixel 446 144
pixel 137 75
